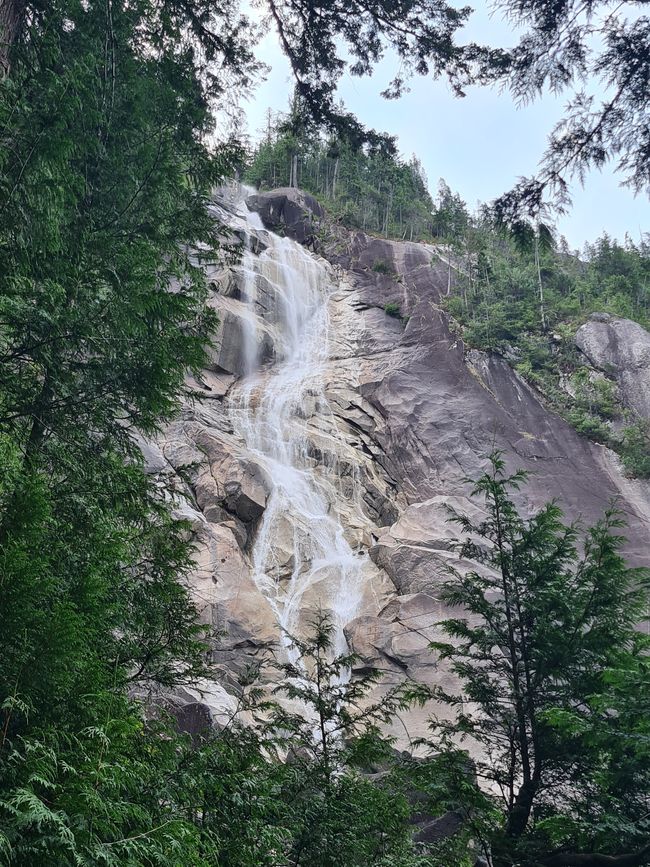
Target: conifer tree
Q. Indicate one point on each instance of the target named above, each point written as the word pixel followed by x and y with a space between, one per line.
pixel 547 628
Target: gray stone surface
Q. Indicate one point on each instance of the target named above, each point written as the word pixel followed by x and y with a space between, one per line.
pixel 621 349
pixel 289 211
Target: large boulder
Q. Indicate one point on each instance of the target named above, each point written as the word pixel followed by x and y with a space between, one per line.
pixel 242 341
pixel 226 484
pixel 288 211
pixel 620 348
pixel 229 480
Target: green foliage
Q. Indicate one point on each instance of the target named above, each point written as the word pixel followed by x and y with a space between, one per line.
pixel 381 267
pixel 392 309
pixel 520 294
pixel 105 173
pixel 602 47
pixel 549 628
pixel 322 43
pixel 104 178
pixel 363 185
pixel 635 449
pixel 450 215
pixel 339 816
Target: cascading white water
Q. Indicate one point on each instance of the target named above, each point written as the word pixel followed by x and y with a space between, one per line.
pixel 301 558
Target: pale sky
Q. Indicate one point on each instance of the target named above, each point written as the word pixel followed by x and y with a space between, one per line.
pixel 480 144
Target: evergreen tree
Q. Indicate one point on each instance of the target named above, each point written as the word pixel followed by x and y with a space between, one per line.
pixel 339 816
pixel 366 186
pixel 104 177
pixel 548 630
pixel 600 56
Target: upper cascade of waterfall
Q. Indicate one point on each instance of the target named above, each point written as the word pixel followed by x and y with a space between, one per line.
pixel 301 558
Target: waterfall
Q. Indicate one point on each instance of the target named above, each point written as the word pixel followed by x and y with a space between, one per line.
pixel 301 559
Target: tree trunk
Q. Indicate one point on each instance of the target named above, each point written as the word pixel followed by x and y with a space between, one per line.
pixel 521 809
pixel 389 205
pixel 539 281
pixel 293 178
pixel 33 445
pixel 11 18
pixel 335 177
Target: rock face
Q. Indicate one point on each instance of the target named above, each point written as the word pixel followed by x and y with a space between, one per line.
pixel 288 211
pixel 620 348
pixel 331 436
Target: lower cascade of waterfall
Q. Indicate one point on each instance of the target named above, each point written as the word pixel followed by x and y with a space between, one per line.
pixel 301 560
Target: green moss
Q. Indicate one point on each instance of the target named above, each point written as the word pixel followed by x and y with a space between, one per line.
pixel 635 449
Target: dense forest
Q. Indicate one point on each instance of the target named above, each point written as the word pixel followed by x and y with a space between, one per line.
pixel 107 162
pixel 365 185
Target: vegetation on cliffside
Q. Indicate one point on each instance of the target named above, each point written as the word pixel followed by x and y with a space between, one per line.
pixel 520 292
pixel 107 128
pixel 364 185
pixel 517 290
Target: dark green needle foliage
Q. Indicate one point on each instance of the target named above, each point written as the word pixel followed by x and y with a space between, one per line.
pixel 104 177
pixel 108 116
pixel 323 40
pixel 339 815
pixel 598 54
pixel 550 667
pixel 362 184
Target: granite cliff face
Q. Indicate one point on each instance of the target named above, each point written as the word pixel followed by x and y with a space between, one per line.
pixel 330 436
pixel 622 349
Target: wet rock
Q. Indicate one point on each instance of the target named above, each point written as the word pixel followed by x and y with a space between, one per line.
pixel 439 829
pixel 211 383
pixel 154 459
pixel 225 592
pixel 252 241
pixel 218 703
pixel 244 501
pixel 237 331
pixel 370 638
pixel 194 719
pixel 380 508
pixel 230 478
pixel 399 416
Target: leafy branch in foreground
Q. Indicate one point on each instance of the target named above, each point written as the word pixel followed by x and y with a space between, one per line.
pixel 597 52
pixel 104 179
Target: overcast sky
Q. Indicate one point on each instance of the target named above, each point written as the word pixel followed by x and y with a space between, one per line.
pixel 480 144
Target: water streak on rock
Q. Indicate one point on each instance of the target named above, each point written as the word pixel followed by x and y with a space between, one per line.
pixel 301 559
